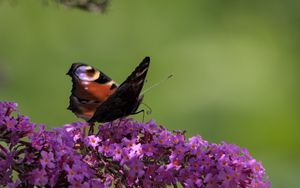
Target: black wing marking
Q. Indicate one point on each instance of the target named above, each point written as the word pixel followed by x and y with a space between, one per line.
pixel 126 99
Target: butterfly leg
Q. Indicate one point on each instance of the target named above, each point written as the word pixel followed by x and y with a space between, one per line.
pixel 91 130
pixel 143 111
pixel 149 111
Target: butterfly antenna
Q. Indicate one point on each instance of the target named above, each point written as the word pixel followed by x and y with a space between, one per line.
pixel 155 85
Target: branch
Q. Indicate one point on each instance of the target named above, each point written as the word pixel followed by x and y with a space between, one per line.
pixel 87 5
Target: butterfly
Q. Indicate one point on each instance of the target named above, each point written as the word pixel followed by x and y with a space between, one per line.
pixel 95 97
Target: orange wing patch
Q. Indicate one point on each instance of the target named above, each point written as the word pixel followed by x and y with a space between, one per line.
pixel 94 91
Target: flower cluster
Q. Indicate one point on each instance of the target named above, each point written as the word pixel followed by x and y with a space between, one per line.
pixel 121 153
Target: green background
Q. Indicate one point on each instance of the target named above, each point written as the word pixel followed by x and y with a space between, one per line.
pixel 235 65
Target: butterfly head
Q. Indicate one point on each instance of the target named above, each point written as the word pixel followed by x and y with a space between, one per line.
pixel 84 72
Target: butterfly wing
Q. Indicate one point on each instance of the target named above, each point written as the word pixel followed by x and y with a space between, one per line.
pixel 90 89
pixel 126 99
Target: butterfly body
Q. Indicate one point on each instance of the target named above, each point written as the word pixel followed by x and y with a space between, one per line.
pixel 96 97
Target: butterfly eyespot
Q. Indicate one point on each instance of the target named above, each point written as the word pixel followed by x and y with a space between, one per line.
pixel 87 73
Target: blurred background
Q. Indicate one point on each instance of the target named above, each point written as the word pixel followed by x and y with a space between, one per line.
pixel 236 67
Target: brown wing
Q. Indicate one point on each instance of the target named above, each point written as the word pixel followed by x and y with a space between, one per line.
pixel 126 99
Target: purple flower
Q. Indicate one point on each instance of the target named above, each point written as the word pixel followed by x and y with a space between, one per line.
pixel 179 152
pixel 149 149
pixel 194 180
pixel 136 151
pixel 10 123
pixel 96 183
pixel 175 163
pixel 47 159
pixel 93 141
pixel 129 142
pixel 165 175
pixel 124 153
pixel 6 171
pixel 117 153
pixel 14 184
pixel 73 175
pixel 106 149
pixel 39 177
pixel 136 168
pixel 6 108
pixel 164 138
